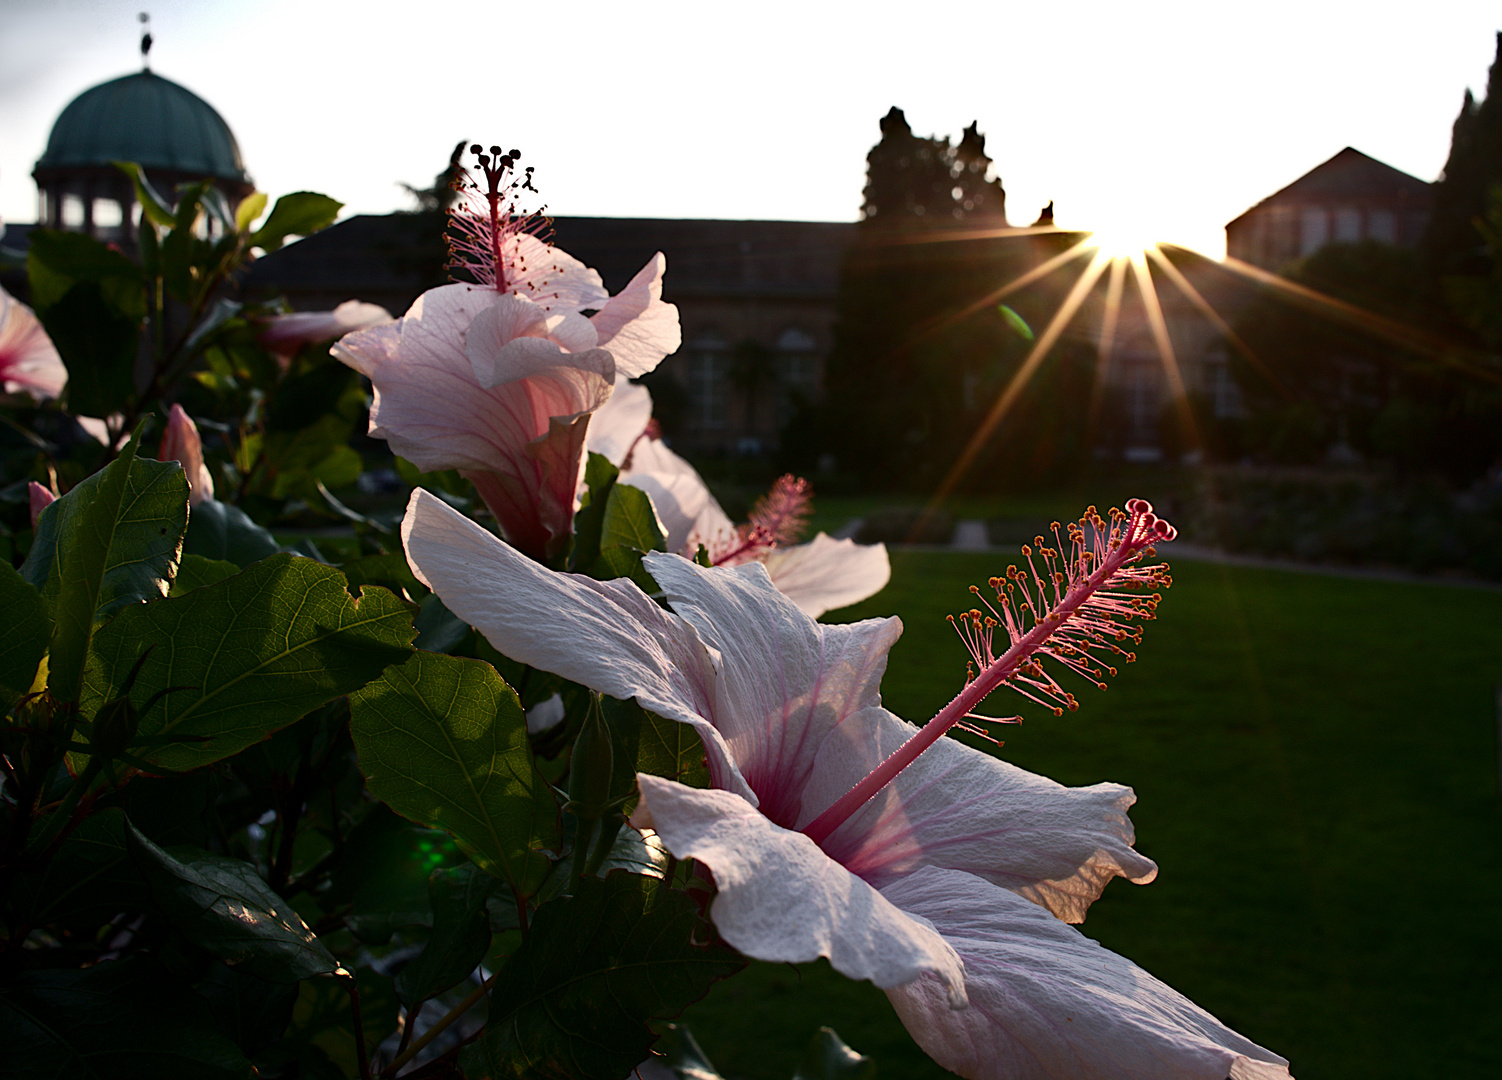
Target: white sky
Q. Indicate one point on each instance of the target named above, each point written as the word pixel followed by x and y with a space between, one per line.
pixel 1154 116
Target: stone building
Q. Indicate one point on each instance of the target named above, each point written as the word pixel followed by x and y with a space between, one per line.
pixel 1351 197
pixel 756 301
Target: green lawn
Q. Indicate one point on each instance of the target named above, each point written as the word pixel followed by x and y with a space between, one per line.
pixel 1317 766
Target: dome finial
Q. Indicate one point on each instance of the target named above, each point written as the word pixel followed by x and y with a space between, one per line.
pixel 145 20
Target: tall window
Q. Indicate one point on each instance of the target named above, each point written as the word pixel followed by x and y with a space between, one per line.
pixel 1314 230
pixel 1382 225
pixel 1347 225
pixel 797 372
pixel 709 381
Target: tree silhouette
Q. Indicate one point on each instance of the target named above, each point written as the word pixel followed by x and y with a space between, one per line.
pixel 1453 244
pixel 918 355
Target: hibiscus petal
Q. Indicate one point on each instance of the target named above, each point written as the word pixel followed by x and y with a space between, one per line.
pixel 791 680
pixel 551 276
pixel 181 442
pixel 1047 1003
pixel 636 326
pixel 606 635
pixel 683 501
pixel 287 333
pixel 619 423
pixel 28 359
pixel 825 573
pixel 778 897
pixel 960 809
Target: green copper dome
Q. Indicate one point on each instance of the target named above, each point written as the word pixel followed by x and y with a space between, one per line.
pixel 149 120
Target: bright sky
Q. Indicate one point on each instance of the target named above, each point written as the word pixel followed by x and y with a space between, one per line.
pixel 1157 117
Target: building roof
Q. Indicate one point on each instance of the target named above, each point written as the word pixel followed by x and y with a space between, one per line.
pixel 374 256
pixel 1350 174
pixel 146 119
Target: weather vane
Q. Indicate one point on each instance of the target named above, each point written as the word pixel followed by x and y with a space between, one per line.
pixel 145 20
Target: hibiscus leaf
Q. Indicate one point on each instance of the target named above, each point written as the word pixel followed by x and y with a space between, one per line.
pixel 23 635
pixel 120 1020
pixel 196 571
pixel 89 880
pixel 460 938
pixel 217 530
pixel 575 998
pixel 247 655
pixel 631 521
pixel 110 542
pixel 599 481
pixel 442 740
pixel 301 213
pixel 673 750
pixel 828 1058
pixel 223 905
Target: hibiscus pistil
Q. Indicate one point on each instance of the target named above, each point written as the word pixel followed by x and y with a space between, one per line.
pixel 1078 608
pixel 483 220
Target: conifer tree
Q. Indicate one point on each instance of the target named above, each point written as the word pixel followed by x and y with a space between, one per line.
pixel 1453 244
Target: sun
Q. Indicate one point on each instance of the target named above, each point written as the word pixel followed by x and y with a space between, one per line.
pixel 1126 240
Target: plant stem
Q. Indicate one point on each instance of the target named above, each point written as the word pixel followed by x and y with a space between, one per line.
pixel 441 1026
pixel 361 1056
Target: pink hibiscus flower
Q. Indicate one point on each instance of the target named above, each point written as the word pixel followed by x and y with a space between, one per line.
pixel 818 576
pixel 181 443
pixel 28 359
pixel 498 377
pixel 949 880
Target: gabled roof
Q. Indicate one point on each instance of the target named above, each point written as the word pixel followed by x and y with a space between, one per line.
pixel 1350 174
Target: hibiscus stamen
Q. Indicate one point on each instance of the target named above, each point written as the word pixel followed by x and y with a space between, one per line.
pixel 777 519
pixel 1075 611
pixel 485 222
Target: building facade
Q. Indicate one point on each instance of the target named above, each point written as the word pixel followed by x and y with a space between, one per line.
pixel 1347 199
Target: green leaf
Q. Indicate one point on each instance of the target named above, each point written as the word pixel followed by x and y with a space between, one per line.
pixel 251 207
pixel 223 905
pixel 828 1058
pixel 87 882
pixel 111 542
pixel 575 998
pixel 253 1012
pixel 599 479
pixel 668 748
pixel 218 530
pixel 631 521
pixel 24 634
pixel 390 571
pixel 297 460
pixel 438 628
pixel 301 213
pixel 152 205
pixel 119 1020
pixel 382 873
pixel 442 740
pixel 195 572
pixel 255 652
pixel 98 346
pixel 460 938
pixel 57 260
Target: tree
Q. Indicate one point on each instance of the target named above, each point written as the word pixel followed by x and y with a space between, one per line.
pixel 919 350
pixel 1452 244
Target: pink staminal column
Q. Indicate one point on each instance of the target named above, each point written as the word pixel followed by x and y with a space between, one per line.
pixel 1078 606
